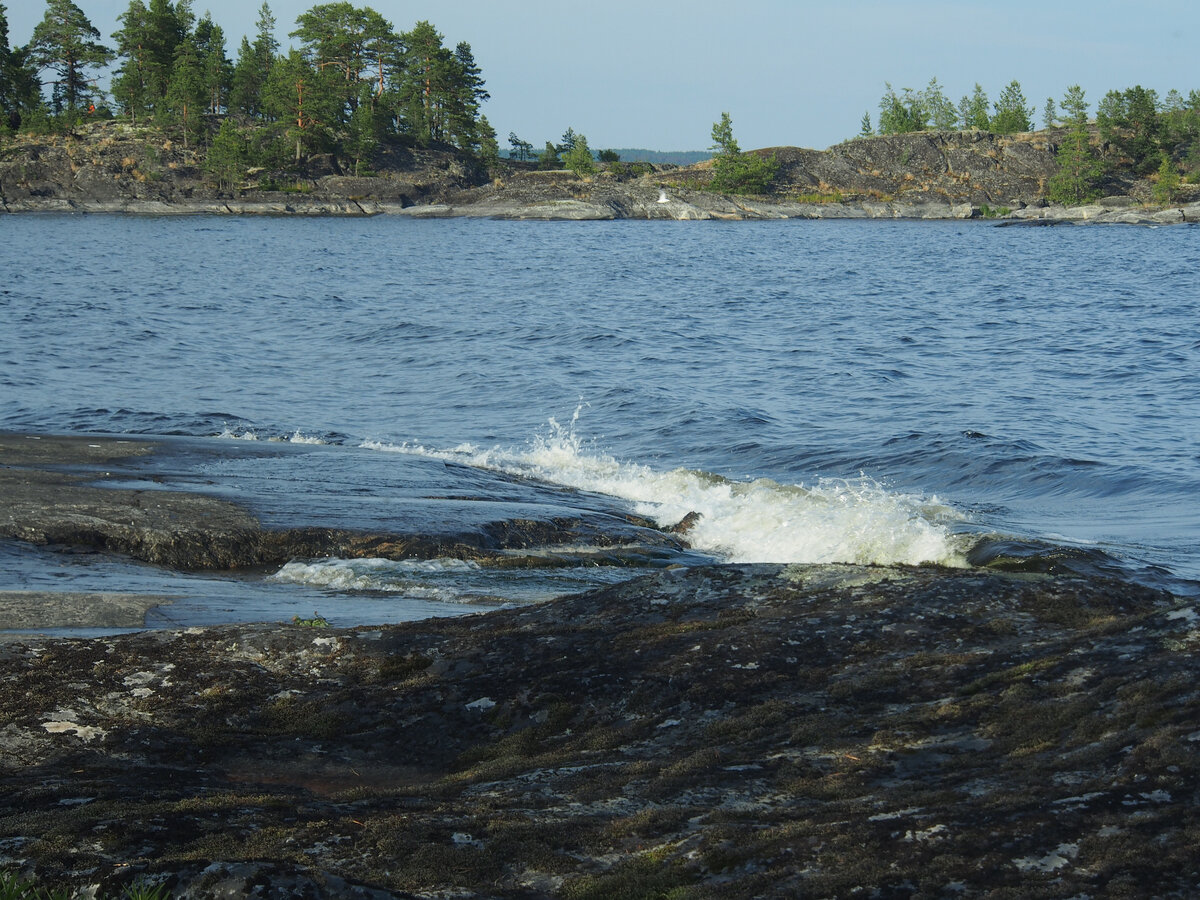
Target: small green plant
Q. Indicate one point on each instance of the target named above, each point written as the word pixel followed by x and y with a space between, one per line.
pixel 143 890
pixel 317 621
pixel 989 212
pixel 13 887
pixel 835 197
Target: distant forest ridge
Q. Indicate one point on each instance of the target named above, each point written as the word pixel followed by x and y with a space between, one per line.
pixel 673 157
pixel 662 157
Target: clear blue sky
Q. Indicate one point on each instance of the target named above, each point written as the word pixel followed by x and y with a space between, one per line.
pixel 658 73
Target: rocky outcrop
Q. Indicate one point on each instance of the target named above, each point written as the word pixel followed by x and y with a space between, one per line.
pixel 756 731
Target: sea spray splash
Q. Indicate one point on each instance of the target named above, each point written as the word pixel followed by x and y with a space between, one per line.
pixel 854 520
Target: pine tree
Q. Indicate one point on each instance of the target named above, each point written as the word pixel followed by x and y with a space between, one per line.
pixel 1129 121
pixel 186 94
pixel 216 70
pixel 226 159
pixel 20 93
pixel 864 128
pixel 1012 115
pixel 1049 114
pixel 253 67
pixel 362 132
pixel 579 158
pixel 521 150
pixel 424 78
pixel 7 99
pixel 167 26
pixel 973 110
pixel 548 158
pixel 66 42
pixel 1079 170
pixel 293 96
pixel 466 94
pixel 357 43
pixel 246 82
pixel 130 83
pixel 901 115
pixel 489 147
pixel 734 171
pixel 938 109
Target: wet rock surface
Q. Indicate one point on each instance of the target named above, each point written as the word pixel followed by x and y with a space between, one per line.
pixel 723 731
pixel 168 502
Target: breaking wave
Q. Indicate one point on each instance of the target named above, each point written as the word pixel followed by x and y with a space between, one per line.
pixel 851 520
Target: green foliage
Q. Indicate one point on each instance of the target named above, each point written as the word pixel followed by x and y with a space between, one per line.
pixel 973 110
pixel 864 128
pixel 993 212
pixel 736 172
pixel 216 70
pixel 1129 121
pixel 642 877
pixel 939 111
pixel 363 130
pixel 567 142
pixel 354 45
pixel 13 887
pixel 548 159
pixel 1166 187
pixel 185 99
pixel 1049 113
pixel 722 136
pixel 608 156
pixel 1075 106
pixel 1012 115
pixel 1079 169
pixel 227 157
pixel 317 621
pixel 253 67
pixel 901 114
pixel 146 891
pixel 579 158
pixel 67 43
pixel 522 150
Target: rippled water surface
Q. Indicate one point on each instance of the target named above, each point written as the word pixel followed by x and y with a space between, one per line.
pixel 871 391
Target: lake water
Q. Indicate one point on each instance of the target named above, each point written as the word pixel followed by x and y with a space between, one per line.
pixel 818 391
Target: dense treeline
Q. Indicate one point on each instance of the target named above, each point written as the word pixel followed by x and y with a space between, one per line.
pixel 352 81
pixel 1133 128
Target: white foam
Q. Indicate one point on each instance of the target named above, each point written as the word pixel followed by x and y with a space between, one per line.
pixel 855 520
pixel 249 434
pixel 393 576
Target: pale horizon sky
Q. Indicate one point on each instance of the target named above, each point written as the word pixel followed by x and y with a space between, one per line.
pixel 627 73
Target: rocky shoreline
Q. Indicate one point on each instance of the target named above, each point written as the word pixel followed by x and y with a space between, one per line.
pixel 112 168
pixel 635 205
pixel 700 731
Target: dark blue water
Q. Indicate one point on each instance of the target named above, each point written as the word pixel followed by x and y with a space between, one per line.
pixel 872 391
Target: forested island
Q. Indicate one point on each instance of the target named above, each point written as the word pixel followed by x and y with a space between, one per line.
pixel 361 118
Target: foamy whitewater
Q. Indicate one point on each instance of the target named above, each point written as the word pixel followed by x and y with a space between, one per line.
pixel 834 520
